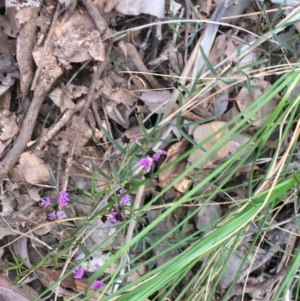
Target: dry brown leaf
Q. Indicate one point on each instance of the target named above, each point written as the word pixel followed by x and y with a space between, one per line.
pixel 202 132
pixel 137 7
pixel 169 52
pixel 49 276
pixel 8 125
pixel 243 100
pixel 234 264
pixel 67 136
pixel 166 177
pixel 33 168
pixel 236 9
pixel 62 97
pixel 20 250
pixel 207 215
pixel 10 292
pixel 220 103
pixel 114 88
pixel 142 270
pixel 155 99
pixel 78 39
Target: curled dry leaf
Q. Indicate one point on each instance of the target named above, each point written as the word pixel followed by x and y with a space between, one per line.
pixel 202 132
pixel 244 99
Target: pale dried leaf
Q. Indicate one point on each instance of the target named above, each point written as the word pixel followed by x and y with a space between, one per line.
pixel 136 7
pixel 20 250
pixel 8 125
pixel 166 177
pixel 155 99
pixel 34 194
pixel 234 264
pixel 74 39
pixel 244 100
pixel 113 87
pixel 220 103
pixel 206 215
pixel 8 203
pixel 34 169
pixel 10 292
pixel 67 136
pixel 202 132
pixel 119 114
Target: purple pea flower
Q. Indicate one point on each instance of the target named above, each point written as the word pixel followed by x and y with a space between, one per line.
pixel 96 265
pixel 63 198
pixel 120 191
pixel 134 139
pixel 158 154
pixel 45 202
pixel 78 273
pixel 96 285
pixel 113 217
pixel 61 214
pixel 146 163
pixel 125 200
pixel 51 216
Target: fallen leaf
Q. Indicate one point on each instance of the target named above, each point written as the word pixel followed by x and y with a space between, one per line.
pixel 8 125
pixel 207 215
pixel 33 168
pixel 78 39
pixel 202 132
pixel 155 100
pixel 10 292
pixel 244 99
pixel 137 7
pixel 166 177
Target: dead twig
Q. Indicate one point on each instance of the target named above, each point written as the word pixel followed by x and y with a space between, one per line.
pixel 94 13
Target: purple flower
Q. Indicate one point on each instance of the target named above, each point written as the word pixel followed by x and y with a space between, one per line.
pixel 78 273
pixel 97 266
pixel 120 191
pixel 158 154
pixel 146 163
pixel 61 214
pixel 113 217
pixel 63 198
pixel 51 216
pixel 45 202
pixel 96 285
pixel 135 140
pixel 125 200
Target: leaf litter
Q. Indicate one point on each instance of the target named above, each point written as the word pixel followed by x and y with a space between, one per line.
pixel 78 95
